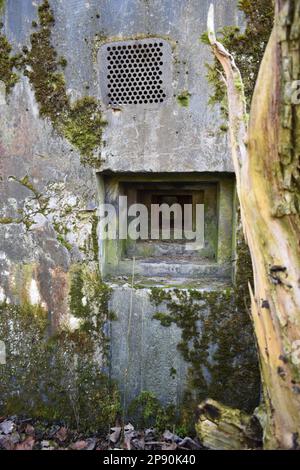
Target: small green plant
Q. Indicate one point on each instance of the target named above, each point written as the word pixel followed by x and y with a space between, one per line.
pixel 147 411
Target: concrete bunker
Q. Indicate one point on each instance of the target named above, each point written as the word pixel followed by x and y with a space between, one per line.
pixel 169 256
pixel 133 267
pixel 161 144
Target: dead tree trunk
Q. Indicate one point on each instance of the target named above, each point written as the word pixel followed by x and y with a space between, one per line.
pixel 266 160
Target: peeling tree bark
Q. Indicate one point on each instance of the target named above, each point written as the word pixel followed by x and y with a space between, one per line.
pixel 266 157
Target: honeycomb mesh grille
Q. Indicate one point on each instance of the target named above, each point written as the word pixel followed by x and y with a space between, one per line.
pixel 135 72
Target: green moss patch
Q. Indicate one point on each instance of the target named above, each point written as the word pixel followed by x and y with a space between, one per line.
pixel 246 47
pixel 184 99
pixel 80 122
pixel 43 69
pixel 147 411
pixel 83 127
pixel 217 340
pixel 10 220
pixel 56 377
pixel 9 63
pixel 89 297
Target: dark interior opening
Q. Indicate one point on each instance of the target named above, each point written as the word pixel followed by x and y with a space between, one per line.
pixel 168 242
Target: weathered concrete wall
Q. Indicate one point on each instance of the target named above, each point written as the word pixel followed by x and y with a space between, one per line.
pixel 168 137
pixel 45 187
pixel 183 343
pixel 48 223
pixel 173 138
pixel 143 354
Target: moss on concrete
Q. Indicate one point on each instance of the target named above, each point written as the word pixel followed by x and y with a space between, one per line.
pixel 63 241
pixel 246 47
pixel 217 340
pixel 10 220
pixel 81 122
pixel 9 63
pixel 89 298
pixel 58 377
pixel 184 99
pixel 95 237
pixel 43 69
pixel 83 128
pixel 147 411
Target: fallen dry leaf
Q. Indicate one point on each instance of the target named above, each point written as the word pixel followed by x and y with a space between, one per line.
pixel 79 445
pixel 115 434
pixel 62 434
pixel 169 446
pixel 6 443
pixel 26 445
pixel 6 427
pixel 29 430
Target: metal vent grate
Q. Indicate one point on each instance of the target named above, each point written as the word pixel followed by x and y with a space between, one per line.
pixel 135 72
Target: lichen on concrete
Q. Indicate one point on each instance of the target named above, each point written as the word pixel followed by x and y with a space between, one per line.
pixel 57 207
pixel 32 206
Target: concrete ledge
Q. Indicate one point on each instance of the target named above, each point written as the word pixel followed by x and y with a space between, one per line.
pixel 185 269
